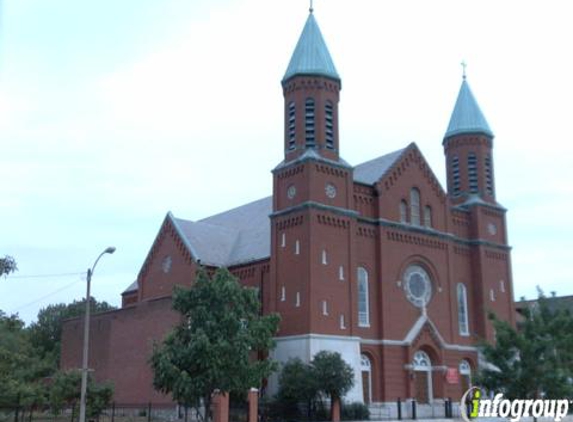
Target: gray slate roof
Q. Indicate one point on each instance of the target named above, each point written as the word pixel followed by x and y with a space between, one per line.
pixel 132 288
pixel 311 56
pixel 232 237
pixel 467 116
pixel 372 171
pixel 243 234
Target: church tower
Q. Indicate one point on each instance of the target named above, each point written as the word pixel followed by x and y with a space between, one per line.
pixel 312 252
pixel 311 87
pixel 468 144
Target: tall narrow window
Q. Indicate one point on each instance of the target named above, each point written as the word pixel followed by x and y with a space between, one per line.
pixel 283 293
pixel 472 173
pixel 310 139
pixel 463 310
pixel 363 305
pixel 297 247
pixel 324 308
pixel 488 175
pixel 324 259
pixel 341 273
pixel 297 302
pixel 291 125
pixel 415 206
pixel 342 322
pixel 329 128
pixel 403 212
pixel 428 216
pixel 283 240
pixel 456 174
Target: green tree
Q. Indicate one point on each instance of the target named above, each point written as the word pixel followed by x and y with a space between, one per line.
pixel 21 370
pixel 297 385
pixel 64 391
pixel 534 360
pixel 219 344
pixel 7 265
pixel 333 375
pixel 46 332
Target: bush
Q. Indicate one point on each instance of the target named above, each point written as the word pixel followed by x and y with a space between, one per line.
pixel 355 412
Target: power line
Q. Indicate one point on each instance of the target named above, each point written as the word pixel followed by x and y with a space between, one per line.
pixel 45 275
pixel 46 296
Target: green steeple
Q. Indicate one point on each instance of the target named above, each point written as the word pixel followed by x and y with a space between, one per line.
pixel 467 116
pixel 311 56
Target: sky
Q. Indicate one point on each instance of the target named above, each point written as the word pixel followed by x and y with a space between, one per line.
pixel 113 113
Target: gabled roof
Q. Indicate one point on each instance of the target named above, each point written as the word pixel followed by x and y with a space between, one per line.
pixel 131 288
pixel 232 237
pixel 311 56
pixel 467 116
pixel 372 171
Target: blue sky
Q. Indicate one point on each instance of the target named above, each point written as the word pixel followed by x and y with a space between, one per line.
pixel 113 113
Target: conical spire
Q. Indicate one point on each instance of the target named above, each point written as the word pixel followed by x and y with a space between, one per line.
pixel 311 56
pixel 467 116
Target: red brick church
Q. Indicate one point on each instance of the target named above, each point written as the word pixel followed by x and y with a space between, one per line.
pixel 376 261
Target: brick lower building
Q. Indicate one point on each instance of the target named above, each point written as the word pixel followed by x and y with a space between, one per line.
pixel 376 261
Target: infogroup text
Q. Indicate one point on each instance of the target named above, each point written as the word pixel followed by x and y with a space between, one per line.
pixel 512 409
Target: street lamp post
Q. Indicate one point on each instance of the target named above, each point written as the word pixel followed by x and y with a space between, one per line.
pixel 109 250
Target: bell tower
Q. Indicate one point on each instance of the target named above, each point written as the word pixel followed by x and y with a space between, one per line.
pixel 468 145
pixel 311 87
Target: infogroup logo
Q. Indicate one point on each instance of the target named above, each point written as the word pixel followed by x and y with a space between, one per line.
pixel 513 409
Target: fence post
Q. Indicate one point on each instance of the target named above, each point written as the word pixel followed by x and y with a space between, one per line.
pixel 113 412
pixel 149 412
pixel 399 404
pixel 413 408
pixel 73 411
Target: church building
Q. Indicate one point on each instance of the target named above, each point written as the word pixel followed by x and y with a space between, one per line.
pixel 376 261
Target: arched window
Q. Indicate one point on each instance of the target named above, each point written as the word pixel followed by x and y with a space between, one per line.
pixel 291 125
pixel 329 128
pixel 488 175
pixel 363 305
pixel 472 173
pixel 366 369
pixel 428 216
pixel 456 174
pixel 463 310
pixel 415 206
pixel 310 139
pixel 403 212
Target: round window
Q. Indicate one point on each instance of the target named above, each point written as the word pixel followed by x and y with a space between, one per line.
pixel 417 285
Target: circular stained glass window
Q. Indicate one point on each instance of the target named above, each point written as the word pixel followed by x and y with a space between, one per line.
pixel 417 285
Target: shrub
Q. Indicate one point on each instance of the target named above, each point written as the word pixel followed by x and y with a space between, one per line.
pixel 355 411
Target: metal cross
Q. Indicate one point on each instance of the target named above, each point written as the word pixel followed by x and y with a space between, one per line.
pixel 464 65
pixel 311 8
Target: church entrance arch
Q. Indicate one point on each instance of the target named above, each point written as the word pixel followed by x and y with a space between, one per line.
pixel 366 370
pixel 422 366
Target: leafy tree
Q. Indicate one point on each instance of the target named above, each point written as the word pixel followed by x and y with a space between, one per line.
pixel 333 375
pixel 327 375
pixel 21 370
pixel 7 265
pixel 217 344
pixel 297 385
pixel 536 359
pixel 46 332
pixel 65 390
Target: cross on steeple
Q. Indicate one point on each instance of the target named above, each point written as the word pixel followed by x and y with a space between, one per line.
pixel 311 9
pixel 464 65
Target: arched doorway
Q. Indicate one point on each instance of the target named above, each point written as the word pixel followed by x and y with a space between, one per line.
pixel 422 366
pixel 465 375
pixel 366 369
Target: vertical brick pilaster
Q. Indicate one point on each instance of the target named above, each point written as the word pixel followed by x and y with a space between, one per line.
pixel 253 405
pixel 335 409
pixel 220 407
